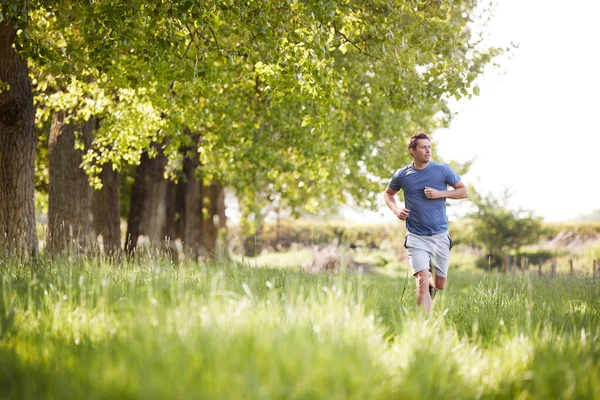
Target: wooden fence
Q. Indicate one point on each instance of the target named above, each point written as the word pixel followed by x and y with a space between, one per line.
pixel 514 264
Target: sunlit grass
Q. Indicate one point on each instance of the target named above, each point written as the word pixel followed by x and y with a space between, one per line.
pixel 296 257
pixel 154 329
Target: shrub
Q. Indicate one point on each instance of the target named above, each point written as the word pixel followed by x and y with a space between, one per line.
pixel 499 230
pixel 537 257
pixel 284 234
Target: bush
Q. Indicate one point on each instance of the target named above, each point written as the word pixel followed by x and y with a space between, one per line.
pixel 499 230
pixel 584 230
pixel 489 261
pixel 534 257
pixel 284 234
pixel 537 257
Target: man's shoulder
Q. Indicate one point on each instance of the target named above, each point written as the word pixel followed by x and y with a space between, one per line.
pixel 400 172
pixel 445 170
pixel 399 178
pixel 438 164
pixel 406 168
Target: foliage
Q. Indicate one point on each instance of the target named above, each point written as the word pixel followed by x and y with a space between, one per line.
pixel 90 328
pixel 589 230
pixel 299 103
pixel 537 257
pixel 305 232
pixel 499 230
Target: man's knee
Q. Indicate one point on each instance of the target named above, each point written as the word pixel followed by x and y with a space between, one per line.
pixel 422 278
pixel 440 283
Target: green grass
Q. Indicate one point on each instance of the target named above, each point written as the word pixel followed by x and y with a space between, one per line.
pixel 294 257
pixel 151 329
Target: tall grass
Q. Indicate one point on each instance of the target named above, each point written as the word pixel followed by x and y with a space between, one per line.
pixel 152 329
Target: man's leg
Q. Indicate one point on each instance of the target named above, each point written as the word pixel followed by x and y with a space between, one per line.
pixel 435 286
pixel 419 260
pixel 440 260
pixel 423 297
pixel 440 282
pixel 432 288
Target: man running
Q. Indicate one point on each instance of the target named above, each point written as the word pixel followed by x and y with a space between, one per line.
pixel 425 185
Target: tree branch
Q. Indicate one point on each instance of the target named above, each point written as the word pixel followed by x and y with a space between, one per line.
pixel 215 37
pixel 191 40
pixel 352 43
pixel 414 13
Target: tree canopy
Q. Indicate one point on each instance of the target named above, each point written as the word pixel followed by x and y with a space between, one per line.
pixel 302 103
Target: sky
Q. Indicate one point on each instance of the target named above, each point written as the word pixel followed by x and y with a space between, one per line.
pixel 534 129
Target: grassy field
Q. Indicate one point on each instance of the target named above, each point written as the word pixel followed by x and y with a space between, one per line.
pixel 89 329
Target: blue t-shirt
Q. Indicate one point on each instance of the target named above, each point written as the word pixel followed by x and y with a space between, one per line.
pixel 427 216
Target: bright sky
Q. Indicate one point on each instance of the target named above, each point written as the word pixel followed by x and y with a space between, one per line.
pixel 535 127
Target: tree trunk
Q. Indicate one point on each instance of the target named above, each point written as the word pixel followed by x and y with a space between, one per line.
pixel 69 192
pixel 106 210
pixel 215 217
pixel 147 212
pixel 220 209
pixel 222 224
pixel 192 209
pixel 185 210
pixel 175 206
pixel 253 244
pixel 17 151
pixel 194 201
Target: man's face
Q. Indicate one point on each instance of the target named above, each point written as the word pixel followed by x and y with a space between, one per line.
pixel 422 153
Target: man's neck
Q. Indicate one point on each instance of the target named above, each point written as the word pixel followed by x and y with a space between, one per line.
pixel 418 165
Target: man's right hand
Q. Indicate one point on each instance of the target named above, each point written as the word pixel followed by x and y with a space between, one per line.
pixel 403 214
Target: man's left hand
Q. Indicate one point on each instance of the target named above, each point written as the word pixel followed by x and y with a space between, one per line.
pixel 431 193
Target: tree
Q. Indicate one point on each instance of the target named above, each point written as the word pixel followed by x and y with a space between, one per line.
pixel 306 102
pixel 148 208
pixel 499 230
pixel 105 210
pixel 70 215
pixel 17 148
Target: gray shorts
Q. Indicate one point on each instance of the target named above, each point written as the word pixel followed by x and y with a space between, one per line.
pixel 425 251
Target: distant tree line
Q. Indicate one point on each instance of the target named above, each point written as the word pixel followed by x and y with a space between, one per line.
pixel 593 216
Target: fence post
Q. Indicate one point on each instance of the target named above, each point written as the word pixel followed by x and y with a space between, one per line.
pixel 540 269
pixel 523 262
pixel 571 267
pixel 553 272
pixel 594 268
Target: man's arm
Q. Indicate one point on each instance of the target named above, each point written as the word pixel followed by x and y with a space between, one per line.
pixel 390 200
pixel 460 192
